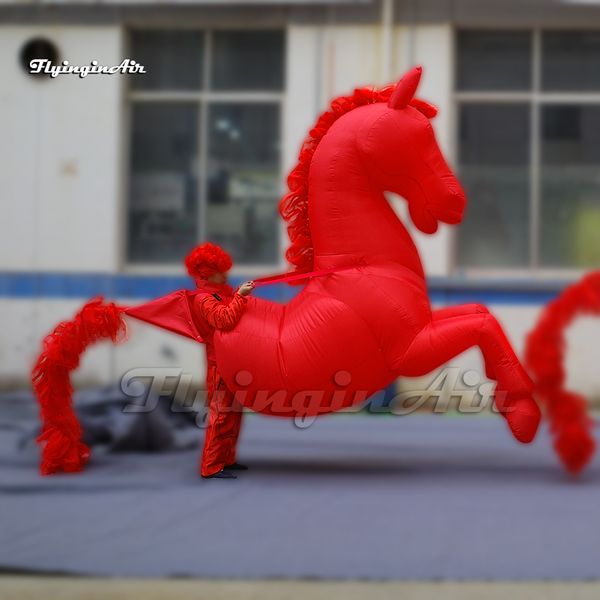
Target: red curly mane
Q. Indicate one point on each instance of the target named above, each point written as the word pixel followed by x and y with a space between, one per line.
pixel 294 205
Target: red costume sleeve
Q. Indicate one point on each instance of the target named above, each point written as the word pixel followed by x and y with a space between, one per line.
pixel 222 316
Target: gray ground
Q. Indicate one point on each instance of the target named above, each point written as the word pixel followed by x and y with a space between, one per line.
pixel 352 496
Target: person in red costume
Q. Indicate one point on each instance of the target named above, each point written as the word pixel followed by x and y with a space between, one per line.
pixel 217 306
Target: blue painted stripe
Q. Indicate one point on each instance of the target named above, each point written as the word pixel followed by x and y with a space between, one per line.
pixel 492 296
pixel 86 285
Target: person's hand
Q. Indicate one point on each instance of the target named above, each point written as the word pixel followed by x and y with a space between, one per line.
pixel 246 288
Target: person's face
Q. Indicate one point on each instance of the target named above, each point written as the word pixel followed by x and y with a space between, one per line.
pixel 218 278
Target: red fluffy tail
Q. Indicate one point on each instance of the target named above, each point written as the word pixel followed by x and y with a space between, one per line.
pixel 62 448
pixel 567 411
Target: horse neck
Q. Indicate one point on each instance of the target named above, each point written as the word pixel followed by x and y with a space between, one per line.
pixel 350 220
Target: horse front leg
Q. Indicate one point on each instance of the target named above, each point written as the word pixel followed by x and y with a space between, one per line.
pixel 456 329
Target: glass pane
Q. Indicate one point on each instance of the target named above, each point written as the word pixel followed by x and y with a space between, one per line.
pixel 570 209
pixel 163 190
pixel 571 60
pixel 494 60
pixel 243 180
pixel 494 167
pixel 247 60
pixel 173 59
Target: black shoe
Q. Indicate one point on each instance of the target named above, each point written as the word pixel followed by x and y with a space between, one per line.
pixel 220 475
pixel 236 466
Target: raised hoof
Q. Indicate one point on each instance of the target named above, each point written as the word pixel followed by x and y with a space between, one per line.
pixel 523 418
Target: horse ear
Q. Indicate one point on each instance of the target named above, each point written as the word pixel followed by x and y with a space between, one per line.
pixel 405 89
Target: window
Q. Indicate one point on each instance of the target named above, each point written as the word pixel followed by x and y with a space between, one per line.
pixel 205 145
pixel 494 60
pixel 529 148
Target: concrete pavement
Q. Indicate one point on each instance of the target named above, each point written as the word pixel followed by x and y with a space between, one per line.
pixel 351 497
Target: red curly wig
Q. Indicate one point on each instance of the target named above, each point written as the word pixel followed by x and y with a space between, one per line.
pixel 206 259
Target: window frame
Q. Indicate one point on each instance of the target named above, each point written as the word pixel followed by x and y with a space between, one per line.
pixel 203 99
pixel 536 99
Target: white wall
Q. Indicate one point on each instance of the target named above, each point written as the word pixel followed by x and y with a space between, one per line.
pixel 60 154
pixel 322 63
pixel 60 167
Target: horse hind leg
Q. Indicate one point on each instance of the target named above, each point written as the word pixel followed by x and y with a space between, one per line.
pixel 450 333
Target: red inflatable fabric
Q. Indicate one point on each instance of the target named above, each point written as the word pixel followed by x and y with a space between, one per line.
pixel 368 321
pixel 354 331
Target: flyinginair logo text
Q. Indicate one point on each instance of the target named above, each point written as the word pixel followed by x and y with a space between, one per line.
pixel 39 65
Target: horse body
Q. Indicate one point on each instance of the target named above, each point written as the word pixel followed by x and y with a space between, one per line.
pixel 358 321
pixel 328 345
pixel 351 333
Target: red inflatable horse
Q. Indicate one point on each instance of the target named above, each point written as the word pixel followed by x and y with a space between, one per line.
pixel 350 333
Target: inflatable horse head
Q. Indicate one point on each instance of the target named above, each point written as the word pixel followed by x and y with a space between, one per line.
pixel 399 145
pixel 370 142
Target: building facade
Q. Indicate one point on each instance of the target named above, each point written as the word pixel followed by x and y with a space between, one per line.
pixel 108 180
